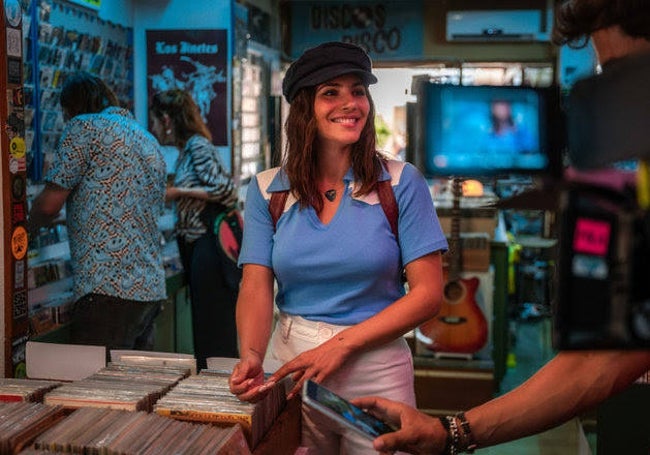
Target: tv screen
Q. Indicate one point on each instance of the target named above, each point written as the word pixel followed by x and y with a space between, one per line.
pixel 485 130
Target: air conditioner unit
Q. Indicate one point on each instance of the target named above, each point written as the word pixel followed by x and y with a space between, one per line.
pixel 497 25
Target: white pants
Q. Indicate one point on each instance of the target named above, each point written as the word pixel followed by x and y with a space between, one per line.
pixel 386 371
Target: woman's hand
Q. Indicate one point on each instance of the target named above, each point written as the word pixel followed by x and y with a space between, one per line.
pixel 418 433
pixel 246 379
pixel 316 364
pixel 172 193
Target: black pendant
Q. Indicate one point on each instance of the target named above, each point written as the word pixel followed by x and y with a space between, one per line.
pixel 330 195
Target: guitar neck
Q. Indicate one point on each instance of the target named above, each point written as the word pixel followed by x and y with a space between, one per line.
pixel 455 258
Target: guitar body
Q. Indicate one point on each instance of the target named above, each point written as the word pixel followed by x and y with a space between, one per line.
pixel 460 326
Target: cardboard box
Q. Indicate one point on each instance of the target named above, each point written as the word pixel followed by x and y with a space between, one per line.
pixel 63 362
pixel 482 220
pixel 444 386
pixel 475 251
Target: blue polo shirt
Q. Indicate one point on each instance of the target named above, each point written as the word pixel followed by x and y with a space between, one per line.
pixel 347 270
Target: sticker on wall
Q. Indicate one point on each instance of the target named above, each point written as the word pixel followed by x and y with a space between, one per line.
pixel 92 4
pixel 18 187
pixel 17 165
pixel 15 125
pixel 18 350
pixel 13 12
pixel 20 305
pixel 13 165
pixel 18 97
pixel 19 243
pixel 20 370
pixel 14 70
pixel 19 275
pixel 18 214
pixel 14 42
pixel 17 147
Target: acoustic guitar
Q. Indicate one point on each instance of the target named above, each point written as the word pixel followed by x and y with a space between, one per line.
pixel 460 326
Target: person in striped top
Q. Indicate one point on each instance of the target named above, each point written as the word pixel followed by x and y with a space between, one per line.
pixel 202 190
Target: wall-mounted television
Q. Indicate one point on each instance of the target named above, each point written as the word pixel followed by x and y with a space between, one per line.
pixel 489 130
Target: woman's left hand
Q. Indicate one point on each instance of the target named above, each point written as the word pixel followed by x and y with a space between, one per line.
pixel 316 364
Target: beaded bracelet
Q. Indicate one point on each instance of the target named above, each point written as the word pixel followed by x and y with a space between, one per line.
pixel 459 435
pixel 469 443
pixel 453 436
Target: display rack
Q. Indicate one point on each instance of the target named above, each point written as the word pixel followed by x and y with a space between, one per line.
pixel 60 39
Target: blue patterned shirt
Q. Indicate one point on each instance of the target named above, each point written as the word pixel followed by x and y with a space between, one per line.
pixel 116 176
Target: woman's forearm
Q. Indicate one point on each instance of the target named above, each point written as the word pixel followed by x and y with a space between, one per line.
pixel 175 193
pixel 255 310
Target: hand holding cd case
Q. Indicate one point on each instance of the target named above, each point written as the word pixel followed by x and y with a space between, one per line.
pixel 342 411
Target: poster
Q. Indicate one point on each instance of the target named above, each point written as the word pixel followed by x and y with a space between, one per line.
pixel 196 61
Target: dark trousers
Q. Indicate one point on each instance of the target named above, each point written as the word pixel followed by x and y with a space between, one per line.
pixel 103 320
pixel 213 280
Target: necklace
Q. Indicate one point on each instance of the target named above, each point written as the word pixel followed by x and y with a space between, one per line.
pixel 330 194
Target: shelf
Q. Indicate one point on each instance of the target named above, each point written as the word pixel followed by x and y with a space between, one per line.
pixel 58 251
pixel 43 294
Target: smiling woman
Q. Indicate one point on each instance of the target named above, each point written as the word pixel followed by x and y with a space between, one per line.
pixel 342 302
pixel 341 108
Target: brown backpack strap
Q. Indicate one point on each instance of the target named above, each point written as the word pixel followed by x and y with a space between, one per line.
pixel 389 204
pixel 384 191
pixel 276 205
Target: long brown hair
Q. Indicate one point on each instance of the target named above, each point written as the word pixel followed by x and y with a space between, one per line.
pixel 301 159
pixel 183 112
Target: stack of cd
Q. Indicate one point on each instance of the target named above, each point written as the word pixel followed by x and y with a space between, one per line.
pixel 206 398
pixel 113 432
pixel 118 386
pixel 22 421
pixel 16 389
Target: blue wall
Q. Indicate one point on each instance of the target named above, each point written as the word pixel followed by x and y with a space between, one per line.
pixel 143 15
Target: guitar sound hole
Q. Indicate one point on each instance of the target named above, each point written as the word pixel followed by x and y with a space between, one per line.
pixel 453 291
pixel 453 320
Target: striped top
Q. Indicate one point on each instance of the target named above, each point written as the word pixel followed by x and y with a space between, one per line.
pixel 200 166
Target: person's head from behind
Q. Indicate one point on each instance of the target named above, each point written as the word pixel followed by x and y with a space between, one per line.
pixel 327 88
pixel 175 117
pixel 84 93
pixel 578 20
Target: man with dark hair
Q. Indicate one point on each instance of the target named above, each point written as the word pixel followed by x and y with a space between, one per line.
pixel 110 174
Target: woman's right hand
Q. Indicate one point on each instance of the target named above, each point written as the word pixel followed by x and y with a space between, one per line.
pixel 172 193
pixel 247 378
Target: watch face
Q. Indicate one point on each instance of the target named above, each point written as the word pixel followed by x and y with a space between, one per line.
pixel 13 12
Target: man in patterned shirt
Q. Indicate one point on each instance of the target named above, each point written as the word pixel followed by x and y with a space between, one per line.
pixel 110 174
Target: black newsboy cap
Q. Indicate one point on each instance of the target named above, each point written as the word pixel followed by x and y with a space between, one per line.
pixel 325 62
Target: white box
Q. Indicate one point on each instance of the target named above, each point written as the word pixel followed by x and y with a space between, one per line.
pixel 63 362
